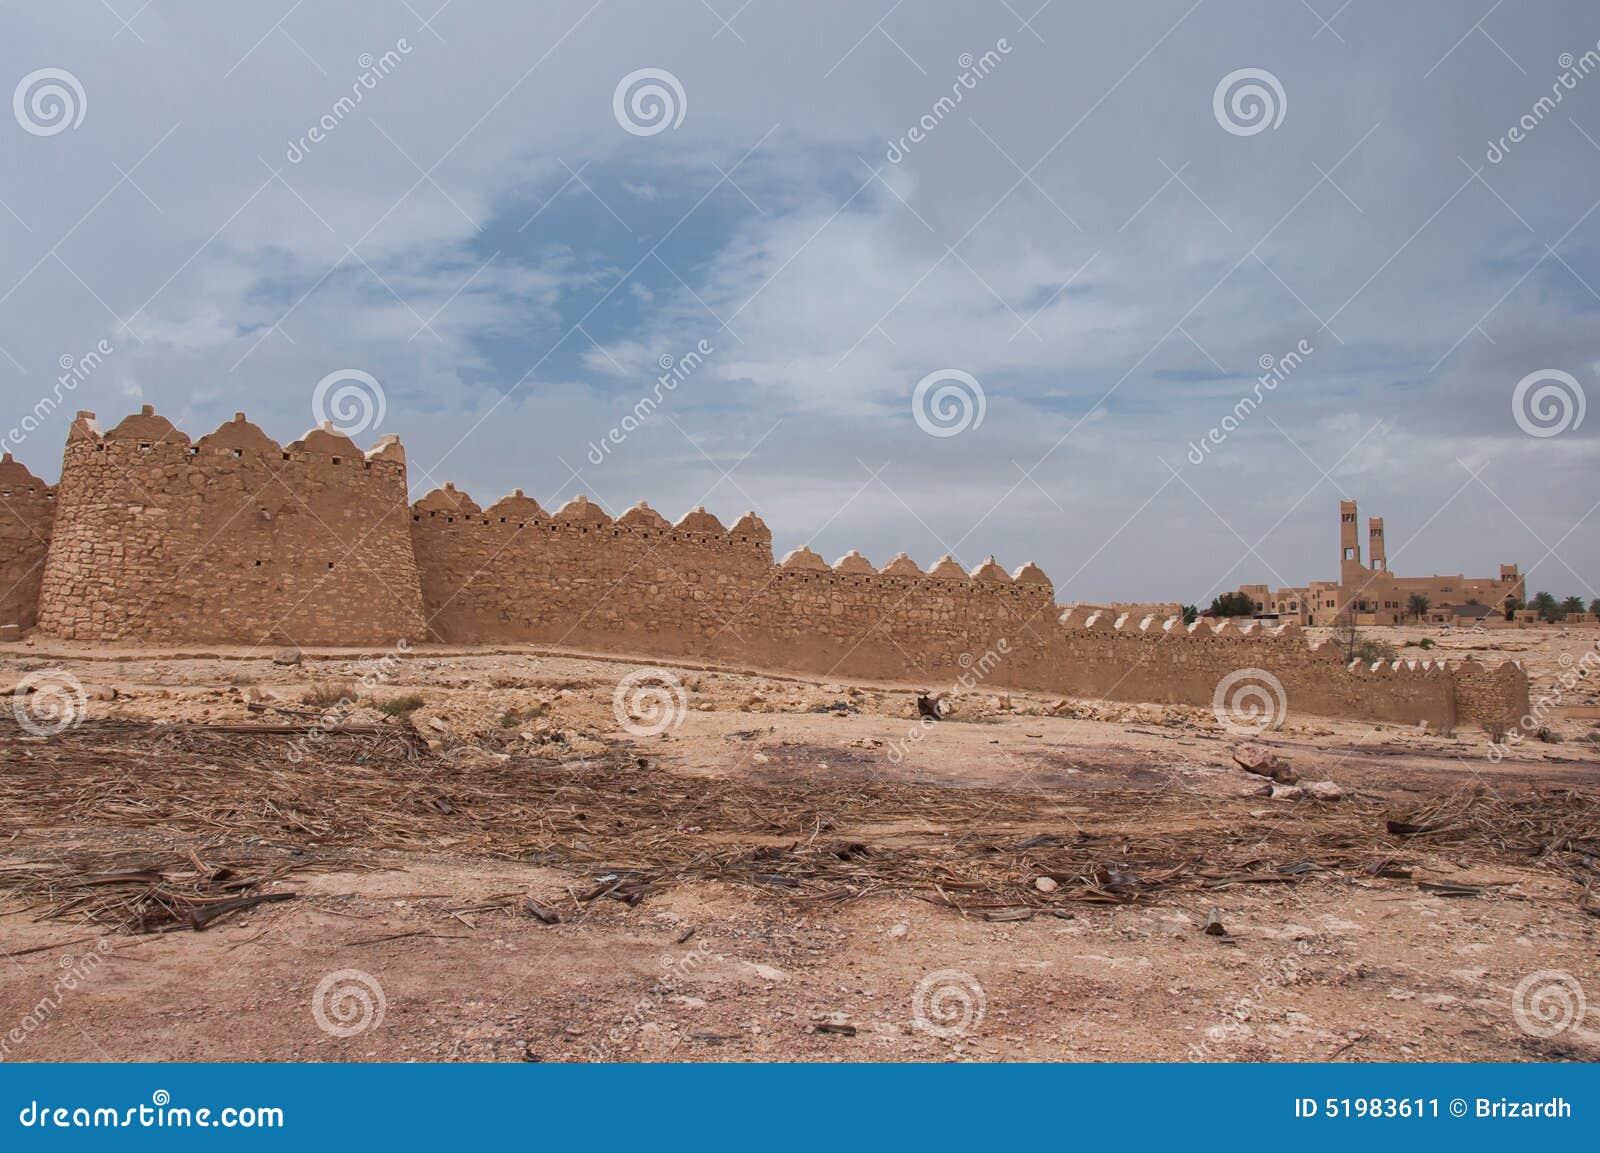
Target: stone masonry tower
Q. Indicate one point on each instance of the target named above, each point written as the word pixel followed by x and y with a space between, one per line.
pixel 229 538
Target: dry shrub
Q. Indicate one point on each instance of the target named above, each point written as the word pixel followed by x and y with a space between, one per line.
pixel 401 706
pixel 326 696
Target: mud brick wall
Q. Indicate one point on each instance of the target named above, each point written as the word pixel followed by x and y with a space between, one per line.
pixel 1162 660
pixel 231 538
pixel 515 573
pixel 640 585
pixel 235 539
pixel 27 516
pixel 1497 697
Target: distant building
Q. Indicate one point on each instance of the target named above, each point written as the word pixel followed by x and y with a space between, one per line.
pixel 1372 595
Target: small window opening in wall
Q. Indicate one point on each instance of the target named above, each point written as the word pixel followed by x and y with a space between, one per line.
pixel 99 448
pixel 330 564
pixel 449 520
pixel 416 516
pixel 285 456
pixel 237 453
pixel 194 450
pixel 258 564
pixel 336 460
pixel 502 521
pixel 144 446
pixel 367 464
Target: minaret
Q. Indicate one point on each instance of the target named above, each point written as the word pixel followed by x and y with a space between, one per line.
pixel 1350 569
pixel 1379 559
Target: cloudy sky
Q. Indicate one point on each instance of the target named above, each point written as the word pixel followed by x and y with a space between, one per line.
pixel 1104 234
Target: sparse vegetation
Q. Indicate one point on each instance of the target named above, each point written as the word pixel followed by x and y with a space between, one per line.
pixel 511 718
pixel 1368 650
pixel 1419 605
pixel 330 694
pixel 1425 643
pixel 1191 613
pixel 1548 608
pixel 1233 605
pixel 1572 605
pixel 1360 648
pixel 1346 636
pixel 401 706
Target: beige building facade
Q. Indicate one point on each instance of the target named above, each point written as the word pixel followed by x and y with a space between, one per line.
pixel 1370 594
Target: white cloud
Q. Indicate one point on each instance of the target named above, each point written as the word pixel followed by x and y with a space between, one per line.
pixel 245 291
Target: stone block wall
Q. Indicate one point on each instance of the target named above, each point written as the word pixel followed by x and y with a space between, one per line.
pixel 27 516
pixel 640 585
pixel 696 588
pixel 235 539
pixel 230 538
pixel 1492 697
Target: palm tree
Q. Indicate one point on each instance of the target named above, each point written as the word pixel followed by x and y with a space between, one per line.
pixel 1548 608
pixel 1594 607
pixel 1572 605
pixel 1418 605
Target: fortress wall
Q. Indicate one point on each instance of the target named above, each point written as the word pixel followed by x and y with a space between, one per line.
pixel 899 624
pixel 514 572
pixel 235 539
pixel 27 516
pixel 1151 659
pixel 232 537
pixel 1496 697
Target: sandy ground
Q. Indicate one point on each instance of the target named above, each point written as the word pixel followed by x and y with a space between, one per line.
pixel 1344 965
